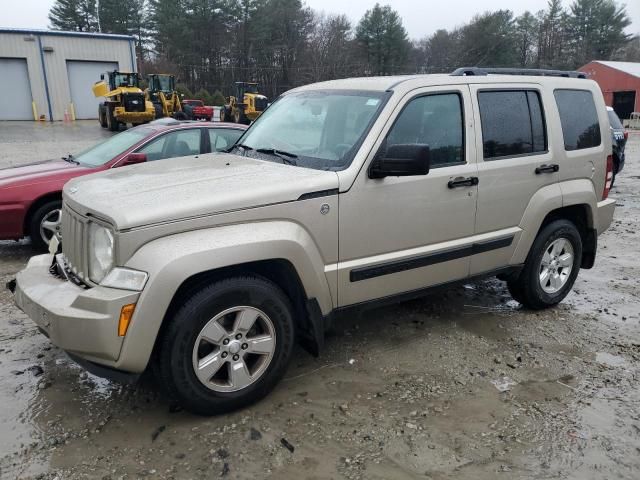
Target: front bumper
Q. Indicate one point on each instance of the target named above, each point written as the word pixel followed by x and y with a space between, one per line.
pixel 606 208
pixel 134 117
pixel 83 322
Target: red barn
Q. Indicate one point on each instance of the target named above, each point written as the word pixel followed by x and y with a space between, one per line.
pixel 620 84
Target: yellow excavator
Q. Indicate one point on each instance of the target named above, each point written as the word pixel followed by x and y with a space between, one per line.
pixel 247 104
pixel 124 100
pixel 162 93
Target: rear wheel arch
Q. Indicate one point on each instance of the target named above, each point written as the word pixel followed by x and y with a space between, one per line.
pixel 581 215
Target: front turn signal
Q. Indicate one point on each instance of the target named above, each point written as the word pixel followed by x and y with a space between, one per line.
pixel 125 319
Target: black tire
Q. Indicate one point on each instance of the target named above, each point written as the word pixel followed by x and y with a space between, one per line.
pixel 176 347
pixel 180 116
pixel 158 110
pixel 102 115
pixel 43 211
pixel 614 174
pixel 112 124
pixel 526 288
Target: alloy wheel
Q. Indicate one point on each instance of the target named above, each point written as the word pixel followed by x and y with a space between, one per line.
pixel 234 349
pixel 556 265
pixel 50 225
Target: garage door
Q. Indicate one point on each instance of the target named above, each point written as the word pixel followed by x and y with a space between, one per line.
pixel 82 76
pixel 15 102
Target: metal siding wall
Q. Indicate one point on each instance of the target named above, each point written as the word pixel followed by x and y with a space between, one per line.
pixel 77 48
pixel 13 45
pixel 612 80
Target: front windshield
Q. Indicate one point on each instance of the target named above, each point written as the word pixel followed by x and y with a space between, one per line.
pixel 125 80
pixel 320 129
pixel 164 83
pixel 251 88
pixel 107 150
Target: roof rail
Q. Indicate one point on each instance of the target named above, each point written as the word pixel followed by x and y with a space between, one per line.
pixel 479 71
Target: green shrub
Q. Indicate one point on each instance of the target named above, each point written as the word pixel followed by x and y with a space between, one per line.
pixel 217 99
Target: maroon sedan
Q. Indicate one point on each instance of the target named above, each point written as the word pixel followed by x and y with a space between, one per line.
pixel 31 195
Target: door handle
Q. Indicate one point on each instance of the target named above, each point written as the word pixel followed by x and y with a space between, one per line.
pixel 547 168
pixel 463 182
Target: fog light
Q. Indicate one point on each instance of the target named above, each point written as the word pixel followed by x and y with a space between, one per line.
pixel 125 319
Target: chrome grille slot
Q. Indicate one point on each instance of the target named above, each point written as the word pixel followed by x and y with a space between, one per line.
pixel 73 242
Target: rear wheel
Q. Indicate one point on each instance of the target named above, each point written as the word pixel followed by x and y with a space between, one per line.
pixel 227 346
pixel 44 224
pixel 551 267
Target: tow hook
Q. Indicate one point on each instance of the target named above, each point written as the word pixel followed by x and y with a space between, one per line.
pixel 11 285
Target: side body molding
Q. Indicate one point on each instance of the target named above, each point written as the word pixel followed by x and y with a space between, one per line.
pixel 172 260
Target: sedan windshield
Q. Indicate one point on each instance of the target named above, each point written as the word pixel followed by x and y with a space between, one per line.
pixel 320 129
pixel 107 150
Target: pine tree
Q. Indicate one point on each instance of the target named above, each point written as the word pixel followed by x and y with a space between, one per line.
pixel 596 29
pixel 384 40
pixel 74 15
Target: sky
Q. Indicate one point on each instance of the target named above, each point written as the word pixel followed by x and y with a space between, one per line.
pixel 420 17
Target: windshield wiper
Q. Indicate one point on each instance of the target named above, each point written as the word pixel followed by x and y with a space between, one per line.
pixel 238 145
pixel 69 158
pixel 286 157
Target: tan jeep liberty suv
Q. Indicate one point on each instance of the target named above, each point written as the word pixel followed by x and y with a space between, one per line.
pixel 207 269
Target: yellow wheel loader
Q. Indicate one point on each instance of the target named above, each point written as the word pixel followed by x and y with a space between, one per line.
pixel 247 104
pixel 124 100
pixel 162 93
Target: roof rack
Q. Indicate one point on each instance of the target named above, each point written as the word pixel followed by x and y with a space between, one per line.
pixel 479 71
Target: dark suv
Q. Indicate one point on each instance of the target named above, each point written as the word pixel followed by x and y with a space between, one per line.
pixel 618 141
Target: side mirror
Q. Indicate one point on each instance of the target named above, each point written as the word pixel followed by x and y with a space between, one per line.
pixel 134 158
pixel 402 160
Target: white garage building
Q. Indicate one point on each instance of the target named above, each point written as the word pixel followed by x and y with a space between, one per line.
pixel 45 73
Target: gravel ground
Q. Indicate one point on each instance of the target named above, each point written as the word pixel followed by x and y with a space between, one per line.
pixel 418 401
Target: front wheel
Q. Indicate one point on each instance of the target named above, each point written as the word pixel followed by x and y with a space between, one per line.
pixel 227 346
pixel 44 224
pixel 551 267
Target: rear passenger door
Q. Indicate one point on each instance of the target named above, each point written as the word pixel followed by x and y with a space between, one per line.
pixel 515 163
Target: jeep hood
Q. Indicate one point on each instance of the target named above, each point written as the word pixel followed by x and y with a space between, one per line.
pixel 180 188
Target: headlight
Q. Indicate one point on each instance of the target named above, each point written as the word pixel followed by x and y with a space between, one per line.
pixel 100 252
pixel 125 279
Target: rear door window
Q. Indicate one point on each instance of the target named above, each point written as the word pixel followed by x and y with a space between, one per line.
pixel 579 119
pixel 512 123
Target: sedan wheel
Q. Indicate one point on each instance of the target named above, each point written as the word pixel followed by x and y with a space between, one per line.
pixel 50 225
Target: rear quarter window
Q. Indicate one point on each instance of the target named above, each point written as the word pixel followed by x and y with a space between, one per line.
pixel 579 119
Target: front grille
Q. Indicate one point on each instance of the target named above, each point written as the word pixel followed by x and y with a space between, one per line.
pixel 261 104
pixel 134 102
pixel 74 242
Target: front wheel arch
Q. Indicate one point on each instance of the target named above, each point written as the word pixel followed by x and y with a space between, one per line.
pixel 310 325
pixel 46 198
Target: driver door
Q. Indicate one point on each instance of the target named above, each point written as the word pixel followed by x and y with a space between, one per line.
pixel 400 234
